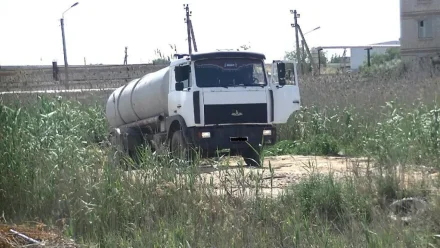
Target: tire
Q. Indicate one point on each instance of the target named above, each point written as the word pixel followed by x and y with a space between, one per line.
pixel 251 157
pixel 119 150
pixel 135 144
pixel 179 148
pixel 127 145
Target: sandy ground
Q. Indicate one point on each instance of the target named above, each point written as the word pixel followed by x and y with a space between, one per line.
pixel 277 172
pixel 229 176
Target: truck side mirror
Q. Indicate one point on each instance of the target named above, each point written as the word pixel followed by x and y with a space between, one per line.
pixel 181 73
pixel 281 67
pixel 179 86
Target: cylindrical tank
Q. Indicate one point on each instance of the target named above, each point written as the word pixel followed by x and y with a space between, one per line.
pixel 139 99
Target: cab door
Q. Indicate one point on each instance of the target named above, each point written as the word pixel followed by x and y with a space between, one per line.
pixel 285 90
pixel 179 96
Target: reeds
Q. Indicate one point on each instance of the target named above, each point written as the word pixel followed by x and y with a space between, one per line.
pixel 54 169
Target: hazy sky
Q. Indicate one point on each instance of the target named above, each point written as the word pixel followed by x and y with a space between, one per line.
pixel 99 30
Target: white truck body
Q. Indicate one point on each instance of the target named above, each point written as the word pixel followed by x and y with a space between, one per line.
pixel 223 94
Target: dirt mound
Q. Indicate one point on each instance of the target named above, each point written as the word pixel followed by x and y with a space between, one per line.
pixel 32 236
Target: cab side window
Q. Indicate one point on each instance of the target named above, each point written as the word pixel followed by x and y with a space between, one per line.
pixel 290 74
pixel 186 83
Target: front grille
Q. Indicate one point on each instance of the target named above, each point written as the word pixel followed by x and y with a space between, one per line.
pixel 236 113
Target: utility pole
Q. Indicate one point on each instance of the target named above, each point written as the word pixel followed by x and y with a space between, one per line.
pixel 307 49
pixel 295 25
pixel 64 52
pixel 319 60
pixel 125 57
pixel 369 56
pixel 64 44
pixel 188 27
pixel 192 35
pixel 303 56
pixel 303 52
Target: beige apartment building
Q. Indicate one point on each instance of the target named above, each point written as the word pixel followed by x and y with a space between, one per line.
pixel 420 28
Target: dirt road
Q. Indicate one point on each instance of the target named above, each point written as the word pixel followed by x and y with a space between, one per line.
pixel 228 175
pixel 277 173
pixel 286 170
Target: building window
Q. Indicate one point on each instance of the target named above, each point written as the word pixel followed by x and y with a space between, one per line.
pixel 425 28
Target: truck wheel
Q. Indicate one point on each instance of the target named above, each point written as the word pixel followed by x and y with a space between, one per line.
pixel 179 148
pixel 117 146
pixel 251 157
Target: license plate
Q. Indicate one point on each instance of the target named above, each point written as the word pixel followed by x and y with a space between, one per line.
pixel 238 139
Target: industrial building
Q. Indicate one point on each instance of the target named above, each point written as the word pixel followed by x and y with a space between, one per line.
pixel 420 29
pixel 359 55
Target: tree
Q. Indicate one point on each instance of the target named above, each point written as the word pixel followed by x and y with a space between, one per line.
pixel 336 58
pixel 244 47
pixel 389 58
pixel 323 58
pixel 382 62
pixel 308 65
pixel 162 59
pixel 390 55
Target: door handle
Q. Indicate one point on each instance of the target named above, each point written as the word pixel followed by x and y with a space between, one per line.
pixel 179 106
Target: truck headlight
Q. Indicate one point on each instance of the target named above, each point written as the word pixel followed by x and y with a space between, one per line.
pixel 206 135
pixel 267 132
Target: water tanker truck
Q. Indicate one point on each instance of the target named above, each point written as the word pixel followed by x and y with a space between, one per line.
pixel 206 103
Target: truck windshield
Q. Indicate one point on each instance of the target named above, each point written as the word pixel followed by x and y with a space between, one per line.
pixel 233 72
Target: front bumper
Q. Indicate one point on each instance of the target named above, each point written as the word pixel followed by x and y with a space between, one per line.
pixel 234 137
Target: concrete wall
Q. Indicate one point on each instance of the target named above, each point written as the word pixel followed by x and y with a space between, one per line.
pixel 80 77
pixel 95 97
pixel 412 11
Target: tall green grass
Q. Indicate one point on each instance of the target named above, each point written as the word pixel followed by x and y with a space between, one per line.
pixel 54 168
pixel 408 135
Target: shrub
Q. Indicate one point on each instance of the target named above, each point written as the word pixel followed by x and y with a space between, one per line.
pixel 325 197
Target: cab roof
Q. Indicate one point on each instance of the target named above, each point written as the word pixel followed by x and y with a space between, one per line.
pixel 219 54
pixel 227 54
